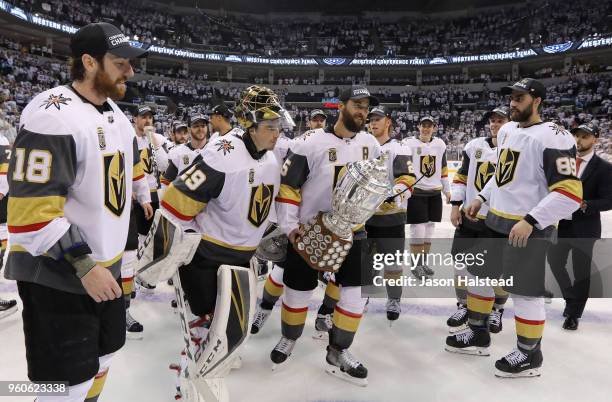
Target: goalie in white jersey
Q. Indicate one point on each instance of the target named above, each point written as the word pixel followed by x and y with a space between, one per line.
pixel 425 206
pixel 68 215
pixel 228 197
pixel 309 176
pixel 535 186
pixel 477 168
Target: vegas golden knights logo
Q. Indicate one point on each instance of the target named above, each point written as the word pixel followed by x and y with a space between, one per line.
pixel 260 204
pixel 428 165
pixel 114 182
pixel 145 157
pixel 506 166
pixel 484 172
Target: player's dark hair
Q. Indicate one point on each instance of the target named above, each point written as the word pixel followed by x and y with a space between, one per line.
pixel 77 69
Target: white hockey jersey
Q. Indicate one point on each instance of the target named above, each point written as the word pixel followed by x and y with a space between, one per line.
pixel 161 159
pixel 282 148
pixel 429 160
pixel 230 195
pixel 535 175
pixel 70 169
pixel 310 173
pixel 179 158
pixel 401 172
pixel 477 168
pixel 234 131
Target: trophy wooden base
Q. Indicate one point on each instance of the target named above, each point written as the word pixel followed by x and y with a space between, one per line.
pixel 321 248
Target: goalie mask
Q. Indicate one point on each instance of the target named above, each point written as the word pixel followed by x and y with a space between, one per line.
pixel 257 104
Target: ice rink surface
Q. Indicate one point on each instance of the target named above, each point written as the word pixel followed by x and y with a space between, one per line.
pixel 406 362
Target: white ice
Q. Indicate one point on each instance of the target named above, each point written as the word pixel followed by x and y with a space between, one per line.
pixel 406 362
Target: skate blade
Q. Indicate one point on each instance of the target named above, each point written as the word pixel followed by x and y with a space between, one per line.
pixel 454 330
pixel 134 336
pixel 535 372
pixel 471 350
pixel 321 335
pixel 8 312
pixel 336 372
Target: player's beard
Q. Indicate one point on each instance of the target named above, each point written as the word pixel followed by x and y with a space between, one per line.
pixel 522 115
pixel 351 124
pixel 105 86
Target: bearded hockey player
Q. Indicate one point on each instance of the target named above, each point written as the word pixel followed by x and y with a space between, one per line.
pixel 477 168
pixel 535 186
pixel 182 156
pixel 425 205
pixel 387 227
pixel 227 196
pixel 309 176
pixel 68 215
pixel 7 307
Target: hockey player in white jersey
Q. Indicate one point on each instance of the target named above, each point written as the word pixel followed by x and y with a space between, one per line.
pixel 386 229
pixel 477 168
pixel 309 176
pixel 535 186
pixel 7 307
pixel 182 156
pixel 220 120
pixel 425 205
pixel 228 196
pixel 68 215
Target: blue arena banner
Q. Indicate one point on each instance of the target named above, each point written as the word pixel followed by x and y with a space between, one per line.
pixel 589 43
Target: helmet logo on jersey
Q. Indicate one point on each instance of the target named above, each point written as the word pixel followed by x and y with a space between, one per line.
pixel 332 155
pixel 506 167
pixel 114 182
pixel 428 165
pixel 484 172
pixel 145 157
pixel 261 201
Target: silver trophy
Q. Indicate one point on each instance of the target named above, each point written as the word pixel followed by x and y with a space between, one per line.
pixel 328 237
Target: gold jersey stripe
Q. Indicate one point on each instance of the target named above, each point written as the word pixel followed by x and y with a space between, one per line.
pixel 186 206
pixel 24 211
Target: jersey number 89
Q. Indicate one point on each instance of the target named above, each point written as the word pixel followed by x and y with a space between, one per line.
pixel 566 166
pixel 38 169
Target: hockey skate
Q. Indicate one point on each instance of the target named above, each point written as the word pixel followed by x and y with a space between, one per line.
pixel 281 351
pixel 421 271
pixel 517 364
pixel 342 364
pixel 469 342
pixel 323 324
pixel 7 307
pixel 261 315
pixel 134 329
pixel 458 321
pixel 495 320
pixel 393 310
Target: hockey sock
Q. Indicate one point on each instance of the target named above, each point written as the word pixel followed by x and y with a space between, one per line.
pixel 99 379
pixel 332 295
pixel 461 292
pixel 294 312
pixel 128 266
pixel 529 317
pixel 501 297
pixel 479 304
pixel 273 288
pixel 347 316
pixel 393 292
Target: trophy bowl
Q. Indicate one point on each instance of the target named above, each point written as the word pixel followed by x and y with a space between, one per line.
pixel 328 236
